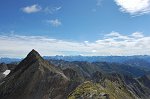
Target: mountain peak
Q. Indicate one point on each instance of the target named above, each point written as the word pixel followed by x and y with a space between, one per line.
pixel 31 58
pixel 34 54
pixel 34 51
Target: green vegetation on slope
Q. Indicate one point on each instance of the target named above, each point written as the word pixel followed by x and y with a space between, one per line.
pixel 105 90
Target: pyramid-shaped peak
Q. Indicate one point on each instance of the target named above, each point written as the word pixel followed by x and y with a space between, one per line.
pixel 34 78
pixel 34 54
pixel 34 51
pixel 31 58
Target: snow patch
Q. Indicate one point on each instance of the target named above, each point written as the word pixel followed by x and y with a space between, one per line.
pixel 6 72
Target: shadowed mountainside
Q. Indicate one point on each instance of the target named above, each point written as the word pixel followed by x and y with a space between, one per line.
pixel 34 78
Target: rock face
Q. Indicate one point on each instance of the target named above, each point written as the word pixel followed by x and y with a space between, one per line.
pixel 73 75
pixel 145 80
pixel 3 67
pixel 34 78
pixel 97 77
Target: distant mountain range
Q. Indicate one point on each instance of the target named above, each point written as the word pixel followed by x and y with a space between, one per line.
pixel 117 59
pixel 36 77
pixel 140 61
pixel 9 60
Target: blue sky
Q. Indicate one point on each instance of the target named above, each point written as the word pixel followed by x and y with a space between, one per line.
pixel 73 27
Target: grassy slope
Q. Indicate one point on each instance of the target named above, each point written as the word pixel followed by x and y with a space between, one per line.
pixel 94 90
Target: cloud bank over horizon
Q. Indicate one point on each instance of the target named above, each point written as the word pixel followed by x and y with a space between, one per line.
pixel 113 43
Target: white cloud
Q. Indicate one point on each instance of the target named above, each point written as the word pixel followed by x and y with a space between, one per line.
pixel 94 51
pixel 111 44
pixel 138 35
pixel 32 9
pixel 116 35
pixel 37 8
pixel 86 41
pixel 51 10
pixel 134 7
pixel 54 22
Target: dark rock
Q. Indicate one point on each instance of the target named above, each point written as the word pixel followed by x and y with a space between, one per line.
pixel 34 78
